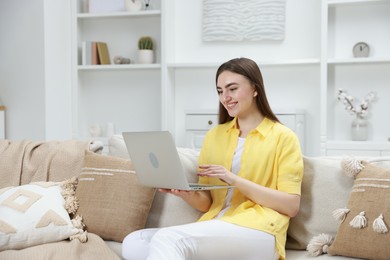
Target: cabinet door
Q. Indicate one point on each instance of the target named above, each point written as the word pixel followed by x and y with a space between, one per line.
pixel 347 152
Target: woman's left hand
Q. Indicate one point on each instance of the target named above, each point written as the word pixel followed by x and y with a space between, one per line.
pixel 217 171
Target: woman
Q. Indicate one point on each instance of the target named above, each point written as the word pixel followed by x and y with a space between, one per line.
pixel 250 150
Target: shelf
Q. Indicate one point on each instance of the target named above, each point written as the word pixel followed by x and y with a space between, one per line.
pixel 358 145
pixel 355 2
pixel 358 60
pixel 119 67
pixel 200 65
pixel 118 14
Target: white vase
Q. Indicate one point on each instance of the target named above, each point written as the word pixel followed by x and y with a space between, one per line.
pixel 134 5
pixel 145 56
pixel 359 129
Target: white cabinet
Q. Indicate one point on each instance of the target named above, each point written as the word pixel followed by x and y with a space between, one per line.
pixel 127 96
pixel 358 148
pixel 199 122
pixel 345 23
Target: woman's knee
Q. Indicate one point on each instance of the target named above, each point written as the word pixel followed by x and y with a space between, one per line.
pixel 136 244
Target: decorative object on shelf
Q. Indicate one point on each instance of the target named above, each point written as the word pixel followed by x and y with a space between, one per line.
pixel 121 60
pixel 104 6
pixel 359 127
pixel 147 4
pixel 145 53
pixel 133 5
pixel 361 49
pixel 252 20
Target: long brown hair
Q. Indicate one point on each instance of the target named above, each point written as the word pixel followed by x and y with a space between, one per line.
pixel 249 69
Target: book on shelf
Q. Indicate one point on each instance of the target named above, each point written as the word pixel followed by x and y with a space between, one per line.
pixel 94 53
pixel 104 56
pixel 89 53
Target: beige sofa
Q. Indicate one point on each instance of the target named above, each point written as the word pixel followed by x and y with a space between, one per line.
pixel 325 188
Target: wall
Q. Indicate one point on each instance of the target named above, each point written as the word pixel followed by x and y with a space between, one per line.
pixel 35 68
pixel 39 101
pixel 288 87
pixel 302 36
pixel 22 68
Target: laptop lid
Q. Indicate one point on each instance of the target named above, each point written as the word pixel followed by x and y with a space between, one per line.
pixel 155 159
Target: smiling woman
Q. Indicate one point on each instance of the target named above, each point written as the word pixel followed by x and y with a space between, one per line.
pixel 250 150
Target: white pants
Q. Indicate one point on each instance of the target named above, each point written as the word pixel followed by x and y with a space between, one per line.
pixel 205 240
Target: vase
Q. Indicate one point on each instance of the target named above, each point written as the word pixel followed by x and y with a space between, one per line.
pixel 145 56
pixel 359 129
pixel 134 5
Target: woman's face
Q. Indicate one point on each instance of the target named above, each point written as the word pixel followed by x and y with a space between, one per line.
pixel 236 94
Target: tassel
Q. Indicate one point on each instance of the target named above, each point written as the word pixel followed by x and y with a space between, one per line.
pixel 82 236
pixel 319 245
pixel 71 204
pixel 379 225
pixel 70 184
pixel 68 192
pixel 351 166
pixel 359 221
pixel 340 214
pixel 77 222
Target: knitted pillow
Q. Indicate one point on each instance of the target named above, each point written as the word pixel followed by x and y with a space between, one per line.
pixel 363 232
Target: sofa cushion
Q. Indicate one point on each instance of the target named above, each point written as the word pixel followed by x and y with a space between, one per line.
pixel 324 188
pixel 364 231
pixel 112 202
pixel 35 214
pixel 167 209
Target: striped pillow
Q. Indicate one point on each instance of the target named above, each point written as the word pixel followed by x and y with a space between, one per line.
pixel 111 201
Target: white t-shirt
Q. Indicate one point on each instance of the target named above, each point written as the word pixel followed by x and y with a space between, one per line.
pixel 235 169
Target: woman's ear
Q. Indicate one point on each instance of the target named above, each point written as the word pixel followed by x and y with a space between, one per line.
pixel 255 94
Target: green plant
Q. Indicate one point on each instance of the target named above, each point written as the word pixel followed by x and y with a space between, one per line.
pixel 145 43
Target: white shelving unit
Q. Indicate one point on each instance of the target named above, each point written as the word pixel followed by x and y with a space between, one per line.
pixel 345 23
pixel 126 95
pixel 304 76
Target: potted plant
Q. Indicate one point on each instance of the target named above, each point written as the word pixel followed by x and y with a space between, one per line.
pixel 145 47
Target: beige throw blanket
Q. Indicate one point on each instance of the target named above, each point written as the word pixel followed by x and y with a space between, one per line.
pixel 22 162
pixel 95 249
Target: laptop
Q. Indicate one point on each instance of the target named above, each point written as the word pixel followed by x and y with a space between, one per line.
pixel 157 163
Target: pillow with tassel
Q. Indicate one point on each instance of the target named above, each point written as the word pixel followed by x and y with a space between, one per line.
pixel 38 213
pixel 363 231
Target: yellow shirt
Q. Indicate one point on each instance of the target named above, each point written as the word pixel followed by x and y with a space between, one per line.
pixel 271 158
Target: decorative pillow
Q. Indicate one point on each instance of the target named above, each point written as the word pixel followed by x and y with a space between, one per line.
pixel 324 188
pixel 38 213
pixel 363 232
pixel 111 201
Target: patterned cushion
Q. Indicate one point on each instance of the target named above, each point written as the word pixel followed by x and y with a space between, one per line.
pixel 364 231
pixel 34 214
